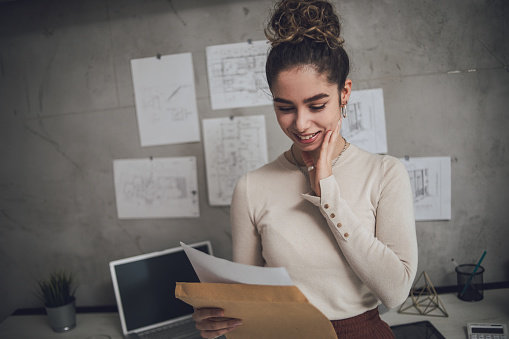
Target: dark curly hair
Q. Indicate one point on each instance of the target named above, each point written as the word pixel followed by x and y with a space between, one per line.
pixel 306 32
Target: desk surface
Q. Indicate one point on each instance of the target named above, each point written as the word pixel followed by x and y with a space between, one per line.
pixel 494 308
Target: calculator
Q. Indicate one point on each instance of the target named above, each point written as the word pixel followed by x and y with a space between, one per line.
pixel 487 331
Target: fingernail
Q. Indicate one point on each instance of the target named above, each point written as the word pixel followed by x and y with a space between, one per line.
pixel 218 313
pixel 236 323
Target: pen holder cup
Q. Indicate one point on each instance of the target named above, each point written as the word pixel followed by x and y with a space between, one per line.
pixel 474 290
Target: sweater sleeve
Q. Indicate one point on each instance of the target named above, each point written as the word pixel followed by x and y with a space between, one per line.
pixel 247 246
pixel 385 261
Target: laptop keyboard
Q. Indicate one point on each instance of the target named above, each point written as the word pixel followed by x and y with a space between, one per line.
pixel 182 330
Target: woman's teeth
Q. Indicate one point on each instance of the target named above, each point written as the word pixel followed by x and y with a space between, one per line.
pixel 307 137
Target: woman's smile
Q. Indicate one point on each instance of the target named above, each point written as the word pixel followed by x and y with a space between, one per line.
pixel 307 138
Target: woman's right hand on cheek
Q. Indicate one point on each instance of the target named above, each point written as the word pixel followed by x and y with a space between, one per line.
pixel 211 322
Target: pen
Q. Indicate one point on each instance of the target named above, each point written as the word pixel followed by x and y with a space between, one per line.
pixel 473 273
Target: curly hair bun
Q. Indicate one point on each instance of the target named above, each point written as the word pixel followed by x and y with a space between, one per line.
pixel 295 20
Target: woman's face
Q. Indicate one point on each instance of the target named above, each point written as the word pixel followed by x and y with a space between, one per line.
pixel 307 105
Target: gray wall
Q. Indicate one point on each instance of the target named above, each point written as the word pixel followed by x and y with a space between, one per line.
pixel 67 110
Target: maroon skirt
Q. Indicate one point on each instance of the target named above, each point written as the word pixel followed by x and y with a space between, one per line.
pixel 367 325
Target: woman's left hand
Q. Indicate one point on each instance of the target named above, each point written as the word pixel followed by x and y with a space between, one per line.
pixel 323 165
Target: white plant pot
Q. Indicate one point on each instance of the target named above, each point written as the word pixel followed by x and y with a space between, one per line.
pixel 62 318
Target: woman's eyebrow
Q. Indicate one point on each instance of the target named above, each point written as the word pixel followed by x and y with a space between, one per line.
pixel 308 100
pixel 283 101
pixel 316 97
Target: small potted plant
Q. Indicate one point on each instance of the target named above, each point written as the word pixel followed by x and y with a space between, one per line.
pixel 57 294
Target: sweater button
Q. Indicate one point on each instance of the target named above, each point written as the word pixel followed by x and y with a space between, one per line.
pixel 326 206
pixel 347 235
pixel 332 215
pixel 339 225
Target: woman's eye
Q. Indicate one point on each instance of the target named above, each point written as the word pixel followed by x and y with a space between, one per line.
pixel 317 108
pixel 285 109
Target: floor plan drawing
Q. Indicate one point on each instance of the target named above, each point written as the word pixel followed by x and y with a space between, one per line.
pixel 420 183
pixel 430 180
pixel 237 75
pixel 355 124
pixel 156 188
pixel 365 124
pixel 233 147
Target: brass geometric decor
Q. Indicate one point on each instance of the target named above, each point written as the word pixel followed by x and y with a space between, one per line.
pixel 424 300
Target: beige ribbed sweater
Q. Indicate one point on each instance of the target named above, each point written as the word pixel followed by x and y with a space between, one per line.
pixel 348 250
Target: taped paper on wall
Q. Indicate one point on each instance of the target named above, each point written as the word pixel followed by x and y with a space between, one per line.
pixel 365 123
pixel 237 75
pixel 165 99
pixel 156 188
pixel 233 147
pixel 430 178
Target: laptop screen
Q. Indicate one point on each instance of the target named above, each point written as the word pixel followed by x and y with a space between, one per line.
pixel 145 286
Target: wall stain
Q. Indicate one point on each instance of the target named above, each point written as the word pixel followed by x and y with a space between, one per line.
pixel 246 11
pixel 53 143
pixel 504 65
pixel 176 13
pixel 135 239
pixel 16 224
pixel 27 89
pixel 48 31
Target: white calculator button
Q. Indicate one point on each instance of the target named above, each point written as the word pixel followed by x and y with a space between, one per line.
pixel 473 336
pixel 496 337
pixel 488 336
pixel 481 336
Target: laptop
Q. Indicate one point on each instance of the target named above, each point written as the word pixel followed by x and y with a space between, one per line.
pixel 145 293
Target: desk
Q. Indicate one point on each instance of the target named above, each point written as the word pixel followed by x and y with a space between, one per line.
pixel 493 308
pixel 37 327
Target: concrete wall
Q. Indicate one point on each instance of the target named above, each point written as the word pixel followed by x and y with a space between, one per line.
pixel 67 110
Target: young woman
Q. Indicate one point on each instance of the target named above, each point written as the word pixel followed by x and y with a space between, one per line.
pixel 339 219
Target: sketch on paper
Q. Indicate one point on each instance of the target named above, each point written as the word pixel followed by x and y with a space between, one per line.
pixel 165 99
pixel 237 75
pixel 365 123
pixel 156 188
pixel 233 147
pixel 430 179
pixel 419 180
pixel 160 103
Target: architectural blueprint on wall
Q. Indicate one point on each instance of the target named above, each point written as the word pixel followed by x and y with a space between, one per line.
pixel 156 188
pixel 237 75
pixel 233 146
pixel 365 124
pixel 165 99
pixel 431 187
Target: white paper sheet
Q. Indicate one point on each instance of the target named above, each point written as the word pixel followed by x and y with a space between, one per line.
pixel 233 146
pixel 165 99
pixel 430 178
pixel 365 123
pixel 210 269
pixel 156 188
pixel 237 75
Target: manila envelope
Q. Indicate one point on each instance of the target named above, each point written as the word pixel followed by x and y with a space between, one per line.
pixel 268 312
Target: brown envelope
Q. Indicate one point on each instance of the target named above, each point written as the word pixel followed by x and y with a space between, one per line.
pixel 268 312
